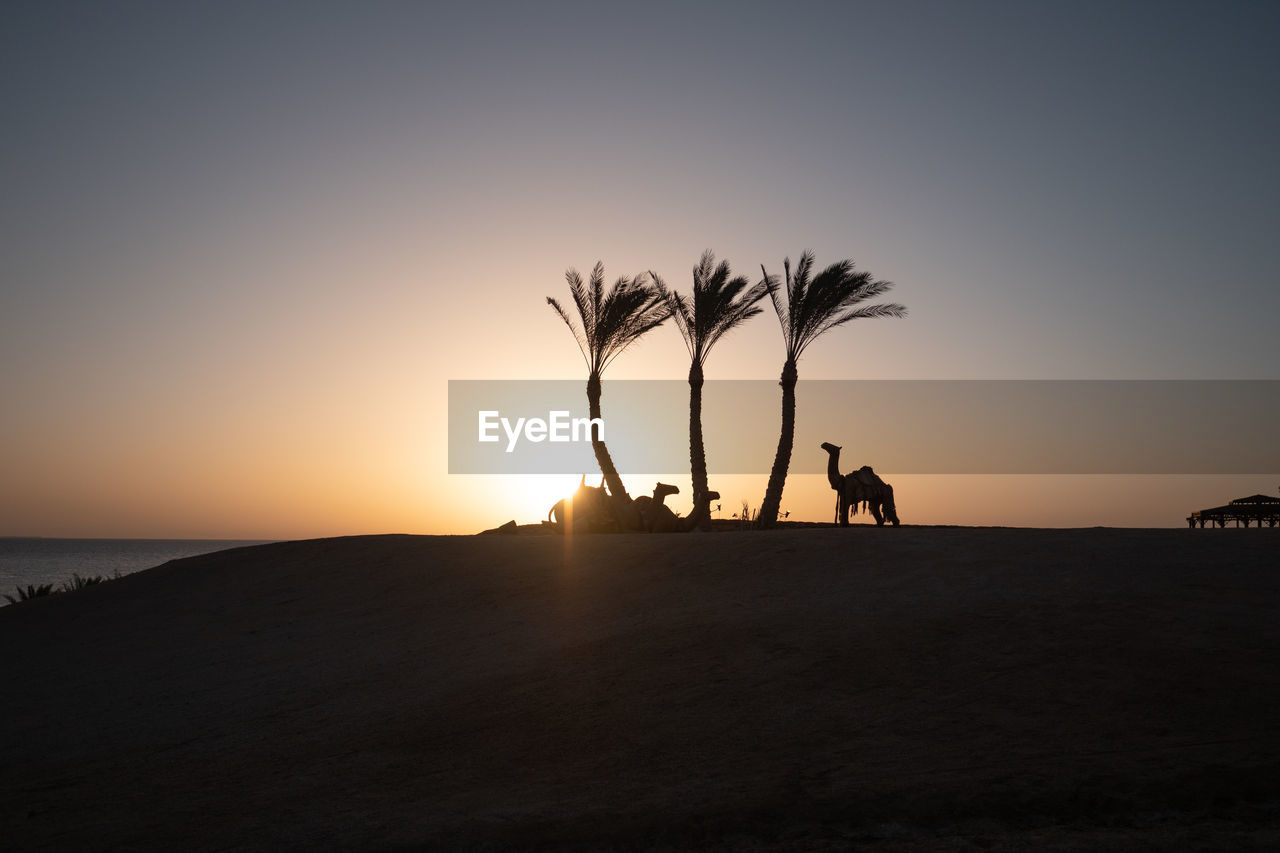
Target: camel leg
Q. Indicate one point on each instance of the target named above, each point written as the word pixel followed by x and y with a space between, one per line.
pixel 890 505
pixel 850 495
pixel 874 506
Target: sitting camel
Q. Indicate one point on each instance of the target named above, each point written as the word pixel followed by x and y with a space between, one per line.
pixel 864 486
pixel 657 517
pixel 652 507
pixel 590 510
pixel 587 510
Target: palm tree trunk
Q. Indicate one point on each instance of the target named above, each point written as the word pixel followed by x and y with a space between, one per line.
pixel 782 460
pixel 697 451
pixel 628 517
pixel 602 452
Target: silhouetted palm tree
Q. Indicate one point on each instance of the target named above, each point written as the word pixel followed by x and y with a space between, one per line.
pixel 811 306
pixel 611 322
pixel 718 305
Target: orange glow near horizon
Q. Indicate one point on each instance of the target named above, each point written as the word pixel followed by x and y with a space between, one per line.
pixel 321 449
pixel 297 460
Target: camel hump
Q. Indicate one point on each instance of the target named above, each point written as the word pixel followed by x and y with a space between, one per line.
pixel 866 476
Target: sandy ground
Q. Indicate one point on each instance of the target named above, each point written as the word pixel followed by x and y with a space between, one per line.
pixel 808 689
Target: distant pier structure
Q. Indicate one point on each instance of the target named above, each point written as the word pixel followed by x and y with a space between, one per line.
pixel 1260 508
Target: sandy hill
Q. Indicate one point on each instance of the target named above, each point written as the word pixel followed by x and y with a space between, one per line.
pixel 794 690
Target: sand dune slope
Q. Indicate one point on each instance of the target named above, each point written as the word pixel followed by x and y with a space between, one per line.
pixel 801 689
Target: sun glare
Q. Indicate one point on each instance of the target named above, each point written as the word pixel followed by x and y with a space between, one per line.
pixel 534 495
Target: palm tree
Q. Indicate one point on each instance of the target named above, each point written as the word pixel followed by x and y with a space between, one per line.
pixel 611 322
pixel 811 306
pixel 718 305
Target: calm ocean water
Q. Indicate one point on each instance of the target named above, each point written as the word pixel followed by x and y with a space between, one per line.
pixel 41 561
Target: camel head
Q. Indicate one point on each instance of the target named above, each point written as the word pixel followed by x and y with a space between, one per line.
pixel 833 465
pixel 662 490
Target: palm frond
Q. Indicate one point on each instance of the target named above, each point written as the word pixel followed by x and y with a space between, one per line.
pixel 612 319
pixel 815 304
pixel 778 296
pixel 882 309
pixel 577 334
pixel 718 304
pixel 735 315
pixel 864 312
pixel 638 309
pixel 683 314
pixel 798 291
pixel 873 288
pixel 597 295
pixel 581 300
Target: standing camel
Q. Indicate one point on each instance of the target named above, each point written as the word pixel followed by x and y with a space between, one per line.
pixel 860 486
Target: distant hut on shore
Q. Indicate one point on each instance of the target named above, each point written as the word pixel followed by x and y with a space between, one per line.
pixel 1259 508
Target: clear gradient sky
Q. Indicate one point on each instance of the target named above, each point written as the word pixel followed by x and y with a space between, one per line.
pixel 244 246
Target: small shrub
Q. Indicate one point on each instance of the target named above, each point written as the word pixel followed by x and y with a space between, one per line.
pixel 32 591
pixel 78 582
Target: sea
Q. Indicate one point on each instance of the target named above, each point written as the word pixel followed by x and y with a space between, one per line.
pixel 39 561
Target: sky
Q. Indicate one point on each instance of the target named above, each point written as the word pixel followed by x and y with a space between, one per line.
pixel 245 246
